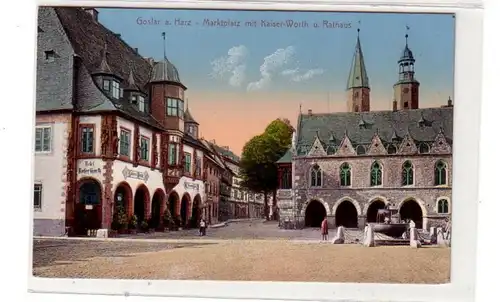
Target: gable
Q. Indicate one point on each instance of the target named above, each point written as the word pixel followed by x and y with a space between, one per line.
pixel 346 148
pixel 440 144
pixel 376 146
pixel 407 146
pixel 317 148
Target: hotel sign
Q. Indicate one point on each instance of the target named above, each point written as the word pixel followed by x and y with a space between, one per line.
pixel 89 167
pixel 128 173
pixel 191 186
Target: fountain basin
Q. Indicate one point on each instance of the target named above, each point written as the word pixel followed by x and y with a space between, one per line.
pixel 395 230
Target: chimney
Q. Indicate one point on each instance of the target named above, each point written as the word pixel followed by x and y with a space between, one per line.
pixel 93 12
pixel 309 111
pixel 450 102
pixel 118 35
pixel 136 50
pixel 394 105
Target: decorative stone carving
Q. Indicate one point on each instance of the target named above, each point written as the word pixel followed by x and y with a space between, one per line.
pixel 154 159
pixel 340 238
pixel 414 241
pixel 107 131
pixel 369 238
pixel 71 164
pixel 114 136
pixel 137 145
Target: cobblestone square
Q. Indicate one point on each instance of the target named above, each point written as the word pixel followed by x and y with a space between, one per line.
pixel 245 251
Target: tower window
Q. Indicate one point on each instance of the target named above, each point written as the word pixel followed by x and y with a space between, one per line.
pixel 406 90
pixel 356 108
pixel 406 105
pixel 50 56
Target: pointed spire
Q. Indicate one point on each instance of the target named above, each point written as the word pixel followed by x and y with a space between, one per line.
pixel 394 136
pixel 358 76
pixel 131 81
pixel 188 117
pixel 164 45
pixel 104 67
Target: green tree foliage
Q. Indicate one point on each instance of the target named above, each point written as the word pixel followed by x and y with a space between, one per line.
pixel 258 161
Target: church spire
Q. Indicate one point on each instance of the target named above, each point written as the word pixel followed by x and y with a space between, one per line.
pixel 358 87
pixel 358 78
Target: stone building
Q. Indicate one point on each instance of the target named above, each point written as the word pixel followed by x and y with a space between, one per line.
pixel 237 202
pixel 347 165
pixel 111 129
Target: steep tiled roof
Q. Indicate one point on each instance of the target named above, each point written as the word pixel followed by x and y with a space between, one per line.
pixel 90 40
pixel 226 152
pixel 286 158
pixel 423 125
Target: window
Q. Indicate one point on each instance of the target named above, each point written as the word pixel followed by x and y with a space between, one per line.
pixel 125 143
pixel 140 101
pixel 286 179
pixel 121 93
pixel 360 150
pixel 50 56
pixel 391 149
pixel 187 162
pixel 406 105
pixel 106 85
pixel 198 166
pixel 407 177
pixel 37 197
pixel 423 148
pixel 43 137
pixel 181 108
pixel 376 174
pixel 345 175
pixel 115 89
pixel 440 173
pixel 87 137
pixel 172 107
pixel 144 149
pixel 316 176
pixel 172 154
pixel 442 206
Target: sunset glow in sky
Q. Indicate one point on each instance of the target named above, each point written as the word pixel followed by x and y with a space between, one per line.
pixel 240 78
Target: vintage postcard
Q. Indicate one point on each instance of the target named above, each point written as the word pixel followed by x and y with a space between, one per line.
pixel 243 145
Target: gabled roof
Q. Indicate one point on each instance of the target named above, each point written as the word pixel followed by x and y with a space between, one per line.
pixel 90 40
pixel 390 125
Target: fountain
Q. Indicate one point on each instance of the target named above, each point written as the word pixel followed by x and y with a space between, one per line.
pixel 389 225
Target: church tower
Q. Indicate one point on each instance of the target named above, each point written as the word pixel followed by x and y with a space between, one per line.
pixel 358 89
pixel 406 89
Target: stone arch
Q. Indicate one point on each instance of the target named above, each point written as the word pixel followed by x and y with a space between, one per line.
pixel 141 203
pixel 371 209
pixel 88 206
pixel 325 204
pixel 406 208
pixel 158 204
pixel 173 202
pixel 448 200
pixel 353 201
pixel 196 210
pixel 314 213
pixel 124 196
pixel 346 211
pixel 185 207
pixel 373 199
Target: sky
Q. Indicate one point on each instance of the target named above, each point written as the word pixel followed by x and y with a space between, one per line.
pixel 242 71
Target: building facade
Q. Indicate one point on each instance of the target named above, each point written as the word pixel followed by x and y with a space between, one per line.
pixel 112 131
pixel 347 165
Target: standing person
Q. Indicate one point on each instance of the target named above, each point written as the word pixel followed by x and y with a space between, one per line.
pixel 324 229
pixel 201 227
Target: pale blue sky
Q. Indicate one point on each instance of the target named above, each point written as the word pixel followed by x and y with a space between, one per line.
pixel 192 48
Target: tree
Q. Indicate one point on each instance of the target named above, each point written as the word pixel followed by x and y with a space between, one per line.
pixel 258 161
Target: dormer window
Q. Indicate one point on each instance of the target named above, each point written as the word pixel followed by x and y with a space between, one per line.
pixel 50 56
pixel 113 88
pixel 141 105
